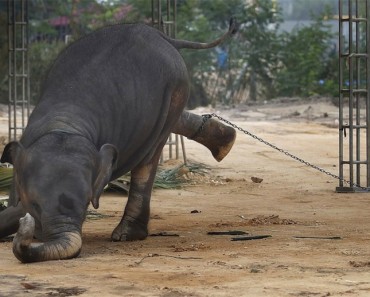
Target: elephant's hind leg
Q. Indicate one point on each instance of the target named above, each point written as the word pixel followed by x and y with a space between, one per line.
pixel 9 220
pixel 214 135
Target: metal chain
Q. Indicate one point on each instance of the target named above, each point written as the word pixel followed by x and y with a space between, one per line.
pixel 208 116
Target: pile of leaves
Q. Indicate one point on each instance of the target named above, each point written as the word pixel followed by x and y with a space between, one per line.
pixel 6 177
pixel 3 204
pixel 166 178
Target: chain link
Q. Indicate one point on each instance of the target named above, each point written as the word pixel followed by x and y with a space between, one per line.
pixel 208 116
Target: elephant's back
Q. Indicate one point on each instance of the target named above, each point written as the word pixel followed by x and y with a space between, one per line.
pixel 114 86
pixel 112 48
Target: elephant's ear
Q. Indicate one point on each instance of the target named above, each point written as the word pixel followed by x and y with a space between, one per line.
pixel 107 162
pixel 11 150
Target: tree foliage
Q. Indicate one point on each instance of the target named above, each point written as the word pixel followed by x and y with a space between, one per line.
pixel 307 61
pixel 260 42
pixel 41 56
pixel 303 9
pixel 3 58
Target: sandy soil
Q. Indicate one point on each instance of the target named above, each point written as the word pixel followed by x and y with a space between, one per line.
pixel 291 201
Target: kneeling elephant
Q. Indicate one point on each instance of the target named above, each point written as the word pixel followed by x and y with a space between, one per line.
pixel 108 105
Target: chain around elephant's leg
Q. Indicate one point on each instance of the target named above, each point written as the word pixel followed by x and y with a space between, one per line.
pixel 214 135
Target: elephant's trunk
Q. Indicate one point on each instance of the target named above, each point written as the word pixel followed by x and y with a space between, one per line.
pixel 66 246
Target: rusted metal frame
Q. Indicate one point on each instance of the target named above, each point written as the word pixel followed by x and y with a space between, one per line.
pixel 345 56
pixel 170 22
pixel 18 83
pixel 25 66
pixel 174 16
pixel 354 93
pixel 12 68
pixel 168 26
pixel 341 68
pixel 350 87
pixel 367 34
pixel 359 92
pixel 358 97
pixel 159 17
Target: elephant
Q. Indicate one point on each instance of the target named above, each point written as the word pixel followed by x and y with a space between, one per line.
pixel 108 104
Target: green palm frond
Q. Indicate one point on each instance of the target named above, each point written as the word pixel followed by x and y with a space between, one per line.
pixel 165 178
pixel 6 177
pixel 178 176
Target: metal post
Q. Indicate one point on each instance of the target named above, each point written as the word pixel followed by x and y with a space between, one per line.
pixel 367 34
pixel 354 49
pixel 18 68
pixel 166 22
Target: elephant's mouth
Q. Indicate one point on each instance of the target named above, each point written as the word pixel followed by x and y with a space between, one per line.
pixel 64 246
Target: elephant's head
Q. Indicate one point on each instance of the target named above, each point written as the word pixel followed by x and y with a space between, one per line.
pixel 55 178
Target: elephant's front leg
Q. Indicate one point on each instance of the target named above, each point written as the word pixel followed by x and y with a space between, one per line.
pixel 134 223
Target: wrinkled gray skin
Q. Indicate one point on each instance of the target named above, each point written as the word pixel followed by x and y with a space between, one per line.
pixel 108 105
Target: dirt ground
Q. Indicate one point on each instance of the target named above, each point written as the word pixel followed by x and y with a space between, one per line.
pixel 319 244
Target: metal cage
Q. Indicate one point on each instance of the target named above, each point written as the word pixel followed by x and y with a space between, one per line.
pixel 354 84
pixel 18 68
pixel 164 19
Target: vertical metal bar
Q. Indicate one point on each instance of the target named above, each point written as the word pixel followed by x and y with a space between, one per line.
pixel 168 23
pixel 170 146
pixel 23 53
pixel 168 26
pixel 28 78
pixel 10 67
pixel 15 91
pixel 174 24
pixel 341 128
pixel 159 15
pixel 18 68
pixel 358 97
pixel 367 31
pixel 350 64
pixel 176 146
pixel 153 17
pixel 183 149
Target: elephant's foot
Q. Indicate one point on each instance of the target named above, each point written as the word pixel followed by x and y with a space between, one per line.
pixel 217 137
pixel 130 230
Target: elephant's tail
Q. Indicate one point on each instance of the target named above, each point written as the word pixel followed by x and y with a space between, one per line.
pixel 179 44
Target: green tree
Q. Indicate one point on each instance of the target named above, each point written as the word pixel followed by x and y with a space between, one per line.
pixel 3 58
pixel 260 62
pixel 308 60
pixel 84 16
pixel 304 10
pixel 252 57
pixel 258 48
pixel 199 21
pixel 41 56
pixel 194 25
